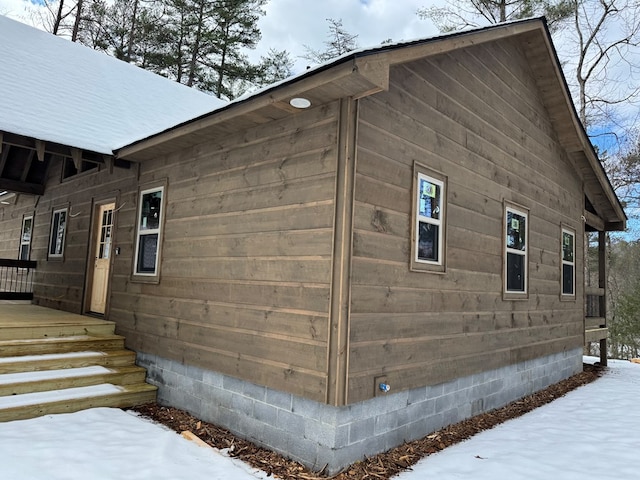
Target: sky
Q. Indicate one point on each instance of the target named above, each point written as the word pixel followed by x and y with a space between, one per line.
pixel 291 24
pixel 589 433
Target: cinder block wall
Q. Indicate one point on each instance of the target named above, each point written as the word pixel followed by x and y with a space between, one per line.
pixel 319 435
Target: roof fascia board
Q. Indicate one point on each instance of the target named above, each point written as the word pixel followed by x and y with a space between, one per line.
pixel 587 146
pixel 411 51
pixel 375 70
pixel 234 109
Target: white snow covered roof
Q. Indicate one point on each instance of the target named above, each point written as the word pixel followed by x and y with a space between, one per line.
pixel 62 92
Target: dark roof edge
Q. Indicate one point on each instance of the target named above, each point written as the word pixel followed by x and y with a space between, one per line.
pixel 589 145
pixel 350 56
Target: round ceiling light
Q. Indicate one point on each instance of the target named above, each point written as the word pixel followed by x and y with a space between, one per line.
pixel 300 102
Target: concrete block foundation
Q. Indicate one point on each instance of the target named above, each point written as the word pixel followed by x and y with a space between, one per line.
pixel 322 436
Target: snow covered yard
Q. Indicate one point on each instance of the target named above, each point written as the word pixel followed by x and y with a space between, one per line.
pixel 589 433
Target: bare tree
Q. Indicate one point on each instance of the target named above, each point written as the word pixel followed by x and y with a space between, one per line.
pixel 606 35
pixel 459 14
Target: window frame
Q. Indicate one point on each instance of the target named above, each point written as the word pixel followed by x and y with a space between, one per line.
pixel 69 170
pixel 142 276
pixel 565 229
pixel 56 212
pixel 22 242
pixel 421 265
pixel 522 212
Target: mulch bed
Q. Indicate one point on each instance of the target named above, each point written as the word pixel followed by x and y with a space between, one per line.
pixel 382 466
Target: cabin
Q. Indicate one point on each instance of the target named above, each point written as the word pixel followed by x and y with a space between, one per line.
pixel 352 258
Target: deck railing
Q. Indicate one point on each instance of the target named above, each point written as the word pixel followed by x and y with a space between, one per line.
pixel 595 323
pixel 16 279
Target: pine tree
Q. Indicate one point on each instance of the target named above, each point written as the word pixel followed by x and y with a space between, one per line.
pixel 340 42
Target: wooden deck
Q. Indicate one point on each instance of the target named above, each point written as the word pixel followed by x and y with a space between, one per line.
pixel 14 313
pixel 56 362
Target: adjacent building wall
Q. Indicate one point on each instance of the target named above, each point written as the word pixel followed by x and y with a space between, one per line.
pixel 475 116
pixel 60 282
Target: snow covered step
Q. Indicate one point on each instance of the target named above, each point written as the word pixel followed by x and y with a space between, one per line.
pixel 40 381
pixel 16 347
pixel 18 407
pixel 52 361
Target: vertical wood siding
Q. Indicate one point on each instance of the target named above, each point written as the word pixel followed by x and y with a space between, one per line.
pixel 475 116
pixel 246 260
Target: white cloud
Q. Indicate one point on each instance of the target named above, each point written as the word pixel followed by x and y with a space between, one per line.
pixel 291 24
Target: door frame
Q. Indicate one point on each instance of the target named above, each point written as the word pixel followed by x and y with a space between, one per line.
pixel 94 231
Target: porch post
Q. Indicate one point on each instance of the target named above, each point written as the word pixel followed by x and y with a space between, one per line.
pixel 602 283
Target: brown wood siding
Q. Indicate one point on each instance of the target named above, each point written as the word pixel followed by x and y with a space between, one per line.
pixel 474 115
pixel 60 283
pixel 246 261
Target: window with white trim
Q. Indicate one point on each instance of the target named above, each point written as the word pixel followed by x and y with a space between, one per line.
pixel 150 213
pixel 568 262
pixel 428 243
pixel 58 233
pixel 516 250
pixel 25 238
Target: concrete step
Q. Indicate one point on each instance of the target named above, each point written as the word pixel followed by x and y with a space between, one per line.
pixel 29 405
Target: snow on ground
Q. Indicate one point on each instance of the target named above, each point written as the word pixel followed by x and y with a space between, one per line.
pixel 589 433
pixel 108 444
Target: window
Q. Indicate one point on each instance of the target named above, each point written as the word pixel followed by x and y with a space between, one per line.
pixel 58 233
pixel 516 256
pixel 150 213
pixel 69 167
pixel 429 220
pixel 568 262
pixel 25 238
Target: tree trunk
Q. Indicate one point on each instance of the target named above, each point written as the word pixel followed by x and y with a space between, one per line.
pixel 132 31
pixel 58 19
pixel 76 23
pixel 196 47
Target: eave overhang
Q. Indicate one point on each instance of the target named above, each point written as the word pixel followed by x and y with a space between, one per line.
pixel 25 161
pixel 366 72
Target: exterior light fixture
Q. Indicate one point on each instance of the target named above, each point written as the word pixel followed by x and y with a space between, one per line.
pixel 299 102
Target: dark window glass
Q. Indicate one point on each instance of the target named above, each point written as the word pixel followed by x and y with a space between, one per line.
pixel 567 279
pixel 515 272
pixel 150 212
pixel 427 241
pixel 147 253
pixel 567 247
pixel 25 239
pixel 58 229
